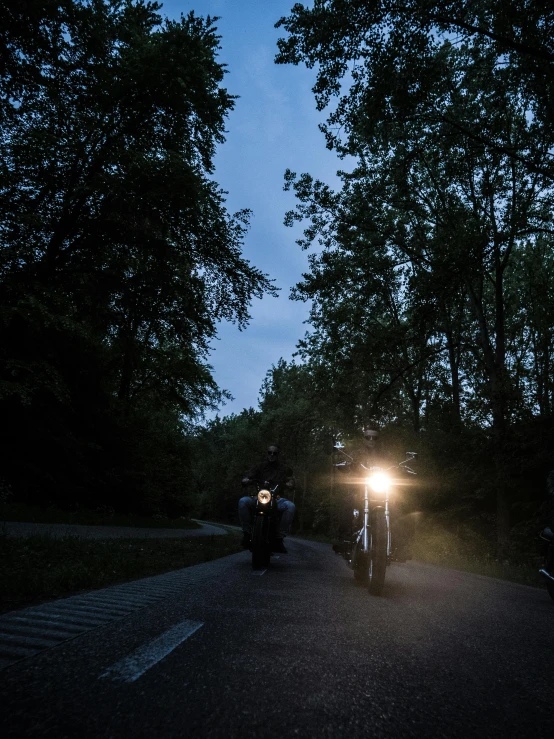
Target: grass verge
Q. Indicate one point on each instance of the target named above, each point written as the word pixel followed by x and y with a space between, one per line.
pixel 85 517
pixel 470 553
pixel 40 568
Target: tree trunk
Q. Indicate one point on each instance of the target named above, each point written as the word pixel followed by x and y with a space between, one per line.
pixel 495 363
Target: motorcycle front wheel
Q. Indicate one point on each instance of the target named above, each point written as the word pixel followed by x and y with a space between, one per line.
pixel 260 546
pixel 377 555
pixel 360 563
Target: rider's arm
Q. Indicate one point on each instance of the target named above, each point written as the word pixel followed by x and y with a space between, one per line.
pixel 253 474
pixel 290 481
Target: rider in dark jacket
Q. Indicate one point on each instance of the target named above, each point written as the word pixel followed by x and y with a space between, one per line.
pixel 272 471
pixel 402 526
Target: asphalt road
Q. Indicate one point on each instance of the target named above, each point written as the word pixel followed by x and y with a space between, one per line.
pixel 300 650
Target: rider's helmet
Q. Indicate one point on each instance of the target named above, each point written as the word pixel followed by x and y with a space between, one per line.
pixel 370 431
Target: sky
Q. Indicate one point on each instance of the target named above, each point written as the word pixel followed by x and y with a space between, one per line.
pixel 274 126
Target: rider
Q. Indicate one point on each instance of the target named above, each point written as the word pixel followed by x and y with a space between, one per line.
pixel 402 527
pixel 272 471
pixel 372 456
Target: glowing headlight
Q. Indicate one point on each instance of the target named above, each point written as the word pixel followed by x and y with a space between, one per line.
pixel 264 496
pixel 378 482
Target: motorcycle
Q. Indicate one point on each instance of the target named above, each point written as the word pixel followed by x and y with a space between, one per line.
pixel 547 549
pixel 369 550
pixel 265 522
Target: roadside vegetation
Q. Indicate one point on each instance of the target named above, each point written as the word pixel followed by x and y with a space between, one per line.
pixel 104 516
pixel 469 552
pixel 41 568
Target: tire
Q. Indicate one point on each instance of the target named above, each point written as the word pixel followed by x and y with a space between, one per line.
pixel 260 547
pixel 377 555
pixel 361 567
pixel 260 559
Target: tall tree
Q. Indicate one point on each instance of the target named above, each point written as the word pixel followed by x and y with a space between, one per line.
pixel 115 237
pixel 429 201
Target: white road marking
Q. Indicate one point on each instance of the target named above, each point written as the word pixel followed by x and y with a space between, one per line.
pixel 136 664
pixel 259 574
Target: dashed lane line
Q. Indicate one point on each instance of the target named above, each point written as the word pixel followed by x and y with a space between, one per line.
pixel 27 632
pixel 136 664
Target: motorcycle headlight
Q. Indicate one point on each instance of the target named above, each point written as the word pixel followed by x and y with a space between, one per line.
pixel 378 482
pixel 264 496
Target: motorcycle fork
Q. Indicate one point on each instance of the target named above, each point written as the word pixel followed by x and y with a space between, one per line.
pixel 387 520
pixel 268 523
pixel 365 534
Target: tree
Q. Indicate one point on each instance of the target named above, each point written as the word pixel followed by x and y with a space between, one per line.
pixel 293 413
pixel 394 45
pixel 117 248
pixel 429 202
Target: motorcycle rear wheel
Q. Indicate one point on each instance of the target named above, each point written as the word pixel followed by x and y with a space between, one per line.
pixel 377 555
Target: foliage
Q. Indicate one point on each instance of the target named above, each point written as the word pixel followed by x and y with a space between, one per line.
pixel 291 414
pixel 424 305
pixel 103 515
pixel 118 254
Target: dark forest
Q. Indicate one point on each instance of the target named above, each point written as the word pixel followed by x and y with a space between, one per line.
pixel 430 284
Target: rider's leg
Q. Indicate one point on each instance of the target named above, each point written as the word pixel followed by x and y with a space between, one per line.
pixel 246 513
pixel 286 510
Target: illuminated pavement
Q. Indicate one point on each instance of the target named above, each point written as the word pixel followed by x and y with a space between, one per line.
pixel 297 651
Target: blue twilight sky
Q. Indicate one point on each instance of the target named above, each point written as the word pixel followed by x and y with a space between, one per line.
pixel 273 126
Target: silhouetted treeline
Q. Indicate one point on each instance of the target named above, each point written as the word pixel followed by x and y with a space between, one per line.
pixel 118 257
pixel 456 484
pixel 431 286
pixel 431 280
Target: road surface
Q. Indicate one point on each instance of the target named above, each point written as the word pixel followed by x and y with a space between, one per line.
pixel 299 650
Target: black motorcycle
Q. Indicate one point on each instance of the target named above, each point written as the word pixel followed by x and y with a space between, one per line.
pixel 265 522
pixel 547 549
pixel 370 550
